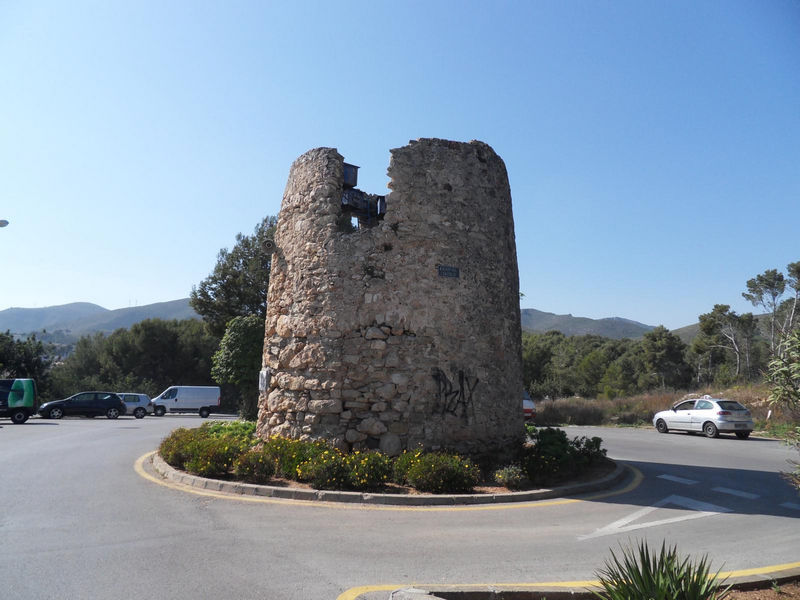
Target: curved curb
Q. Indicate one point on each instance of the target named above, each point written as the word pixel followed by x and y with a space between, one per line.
pixel 249 489
pixel 741 580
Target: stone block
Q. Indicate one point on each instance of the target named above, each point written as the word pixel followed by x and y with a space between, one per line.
pixel 390 444
pixel 372 426
pixel 375 333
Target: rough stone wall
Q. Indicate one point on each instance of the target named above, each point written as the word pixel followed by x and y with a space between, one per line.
pixel 405 333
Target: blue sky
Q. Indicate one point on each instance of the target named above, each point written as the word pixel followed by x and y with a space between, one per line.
pixel 653 148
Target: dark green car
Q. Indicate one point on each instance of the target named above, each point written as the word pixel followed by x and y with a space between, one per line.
pixel 17 399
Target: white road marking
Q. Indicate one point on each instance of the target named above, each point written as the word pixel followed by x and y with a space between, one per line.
pixel 677 479
pixel 739 493
pixel 791 505
pixel 701 509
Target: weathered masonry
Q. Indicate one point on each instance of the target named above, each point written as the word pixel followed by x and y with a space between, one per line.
pixel 405 328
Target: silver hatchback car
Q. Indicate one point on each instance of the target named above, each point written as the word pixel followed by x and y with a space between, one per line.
pixel 137 405
pixel 706 414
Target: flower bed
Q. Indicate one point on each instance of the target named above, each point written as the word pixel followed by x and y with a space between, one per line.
pixel 231 451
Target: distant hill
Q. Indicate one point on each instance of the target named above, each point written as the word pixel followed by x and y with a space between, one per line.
pixel 688 333
pixel 537 321
pixel 82 318
pixel 71 321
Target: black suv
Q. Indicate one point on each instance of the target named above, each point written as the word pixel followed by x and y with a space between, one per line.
pixel 87 404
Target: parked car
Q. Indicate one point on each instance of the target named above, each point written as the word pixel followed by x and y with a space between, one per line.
pixel 17 399
pixel 137 405
pixel 87 404
pixel 202 399
pixel 706 414
pixel 528 407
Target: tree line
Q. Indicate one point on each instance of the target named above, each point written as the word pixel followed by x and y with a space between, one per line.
pixel 224 347
pixel 728 348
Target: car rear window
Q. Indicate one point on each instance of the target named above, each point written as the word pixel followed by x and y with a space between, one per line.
pixel 730 405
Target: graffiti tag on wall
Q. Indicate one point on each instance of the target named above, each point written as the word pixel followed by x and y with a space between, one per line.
pixel 455 398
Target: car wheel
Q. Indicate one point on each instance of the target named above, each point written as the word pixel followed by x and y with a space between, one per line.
pixel 139 413
pixel 55 413
pixel 661 426
pixel 204 412
pixel 112 413
pixel 743 435
pixel 159 411
pixel 18 417
pixel 710 430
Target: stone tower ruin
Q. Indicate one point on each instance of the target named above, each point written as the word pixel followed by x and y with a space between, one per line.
pixel 405 329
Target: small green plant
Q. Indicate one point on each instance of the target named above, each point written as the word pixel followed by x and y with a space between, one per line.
pixel 441 473
pixel 547 456
pixel 211 456
pixel 511 477
pixel 638 574
pixel 244 430
pixel 254 466
pixel 403 463
pixel 368 470
pixel 176 448
pixel 587 451
pixel 325 471
pixel 288 454
pixel 550 456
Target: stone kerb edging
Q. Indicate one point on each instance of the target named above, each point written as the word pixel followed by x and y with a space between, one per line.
pixel 268 491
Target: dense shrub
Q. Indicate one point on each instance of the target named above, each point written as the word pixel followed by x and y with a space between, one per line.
pixel 254 466
pixel 550 456
pixel 176 448
pixel 642 575
pixel 547 456
pixel 213 456
pixel 368 470
pixel 587 451
pixel 325 471
pixel 243 430
pixel 403 463
pixel 288 454
pixel 440 473
pixel 511 477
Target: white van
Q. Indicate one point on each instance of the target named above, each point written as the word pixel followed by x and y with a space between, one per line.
pixel 187 399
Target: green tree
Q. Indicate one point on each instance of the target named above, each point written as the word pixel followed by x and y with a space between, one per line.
pixel 238 361
pixel 723 329
pixel 784 374
pixel 147 358
pixel 784 378
pixel 25 358
pixel 621 376
pixel 664 357
pixel 766 290
pixel 238 284
pixel 590 371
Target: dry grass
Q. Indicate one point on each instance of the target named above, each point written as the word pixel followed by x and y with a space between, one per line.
pixel 639 409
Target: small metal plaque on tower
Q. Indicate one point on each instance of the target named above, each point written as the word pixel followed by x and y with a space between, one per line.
pixel 445 271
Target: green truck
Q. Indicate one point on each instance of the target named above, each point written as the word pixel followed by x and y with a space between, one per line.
pixel 18 399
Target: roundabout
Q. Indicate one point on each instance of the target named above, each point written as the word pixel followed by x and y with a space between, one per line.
pixel 78 502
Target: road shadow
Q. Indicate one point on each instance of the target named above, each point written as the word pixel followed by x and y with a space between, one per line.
pixel 738 491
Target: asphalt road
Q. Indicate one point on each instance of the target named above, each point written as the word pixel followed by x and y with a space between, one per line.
pixel 78 522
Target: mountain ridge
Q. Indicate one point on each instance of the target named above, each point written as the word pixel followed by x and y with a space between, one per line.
pixel 537 321
pixel 82 318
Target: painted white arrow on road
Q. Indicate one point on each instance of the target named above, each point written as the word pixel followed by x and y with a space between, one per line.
pixel 699 510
